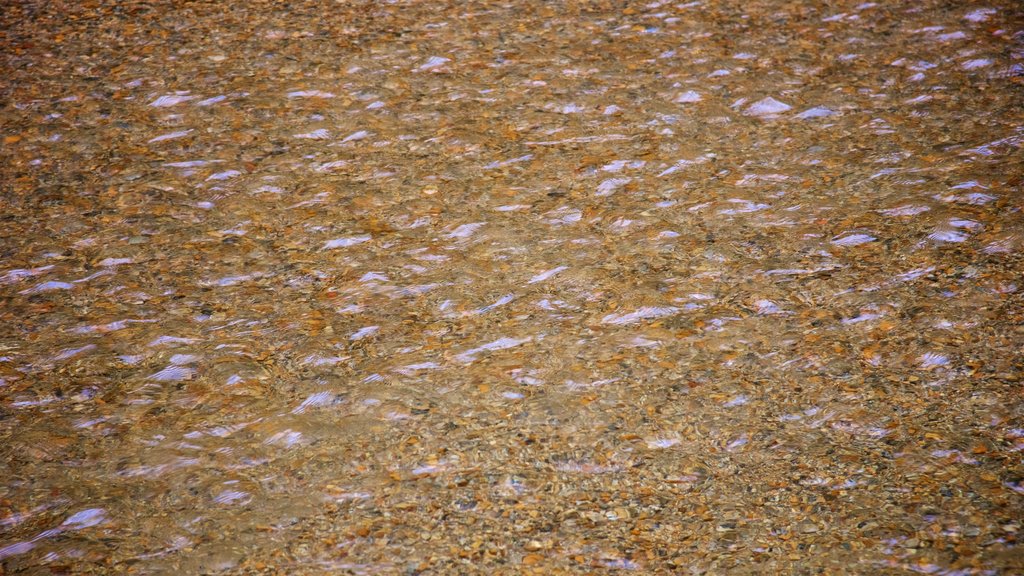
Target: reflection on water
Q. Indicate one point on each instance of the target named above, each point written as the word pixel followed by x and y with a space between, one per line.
pixel 665 287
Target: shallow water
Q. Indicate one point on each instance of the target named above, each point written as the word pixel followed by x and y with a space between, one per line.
pixel 375 288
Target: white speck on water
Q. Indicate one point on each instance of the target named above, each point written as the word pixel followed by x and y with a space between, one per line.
pixel 465 230
pixel 115 261
pixel 426 470
pixel 499 344
pixel 15 549
pixel 19 274
pixel 608 187
pixel 546 274
pixel 321 398
pixel 364 332
pixel 564 215
pixel 619 165
pixel 190 163
pixel 211 101
pixel 347 241
pixel 684 163
pixel 980 15
pixel 862 317
pixel 411 369
pixel 356 136
pixel 644 313
pixel 503 163
pixel 170 136
pixel 853 240
pixel 232 497
pixel 171 100
pixel 737 401
pixel 767 107
pixel 320 134
pixel 72 352
pixel 965 223
pixel 947 236
pixel 85 519
pixel 907 210
pixel 225 175
pixel 569 109
pixel 688 97
pixel 310 94
pixel 978 199
pixel 662 442
pixel 48 287
pixel 932 360
pixel 976 63
pixel 329 166
pixel 286 438
pixel 738 442
pixel 163 340
pixel 230 280
pixel 816 112
pixel 433 63
pixel 173 373
pixel 768 307
pixel 743 207
pixel 914 274
pixel 499 302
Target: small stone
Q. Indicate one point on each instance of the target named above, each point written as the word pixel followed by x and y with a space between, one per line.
pixel 531 559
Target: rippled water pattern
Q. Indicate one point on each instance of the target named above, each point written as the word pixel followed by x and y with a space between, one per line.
pixel 484 287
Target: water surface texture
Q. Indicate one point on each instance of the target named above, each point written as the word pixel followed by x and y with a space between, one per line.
pixel 511 287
